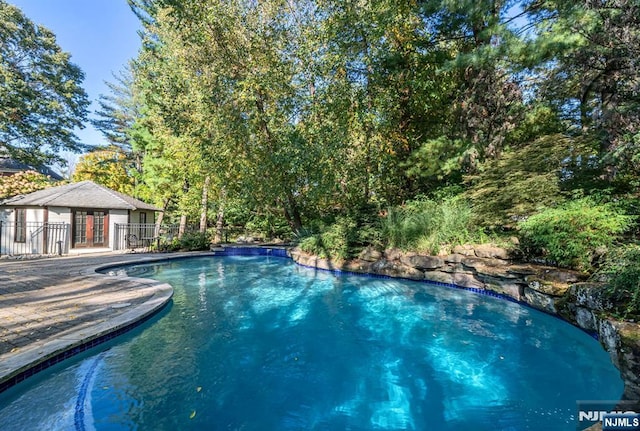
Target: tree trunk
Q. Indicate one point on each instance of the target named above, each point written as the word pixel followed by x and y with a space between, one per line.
pixel 204 205
pixel 183 225
pixel 219 225
pixel 292 214
pixel 160 218
pixel 220 218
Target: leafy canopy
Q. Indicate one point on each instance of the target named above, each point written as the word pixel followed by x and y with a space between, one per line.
pixel 41 100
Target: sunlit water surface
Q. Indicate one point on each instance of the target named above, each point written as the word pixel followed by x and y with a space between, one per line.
pixel 256 343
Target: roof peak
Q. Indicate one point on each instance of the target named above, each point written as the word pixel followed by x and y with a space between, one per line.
pixel 83 194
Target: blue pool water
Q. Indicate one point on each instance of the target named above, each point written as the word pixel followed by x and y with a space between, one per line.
pixel 257 343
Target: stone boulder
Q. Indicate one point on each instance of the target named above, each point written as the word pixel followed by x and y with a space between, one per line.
pixel 503 286
pixel 465 250
pixel 454 258
pixel 370 254
pixel 539 300
pixel 357 265
pixel 393 254
pixel 489 251
pixel 547 288
pixel 439 277
pixel 394 269
pixel 467 280
pixel 422 262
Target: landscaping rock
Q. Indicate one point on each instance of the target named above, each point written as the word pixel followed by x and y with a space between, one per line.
pixel 422 262
pixel 357 265
pixel 548 288
pixel 556 275
pixel 522 269
pixel 489 267
pixel 439 277
pixel 539 300
pixel 456 268
pixel 467 280
pixel 504 287
pixel 370 254
pixel 453 258
pixel 393 269
pixel 491 252
pixel 393 254
pixel 585 319
pixel 465 250
pixel 629 359
pixel 588 295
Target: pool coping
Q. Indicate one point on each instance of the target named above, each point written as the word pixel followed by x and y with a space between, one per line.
pixel 38 356
pixel 41 355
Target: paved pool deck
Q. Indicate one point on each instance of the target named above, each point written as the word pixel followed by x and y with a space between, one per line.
pixel 51 305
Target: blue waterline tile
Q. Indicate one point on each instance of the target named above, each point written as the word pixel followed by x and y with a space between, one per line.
pixel 234 251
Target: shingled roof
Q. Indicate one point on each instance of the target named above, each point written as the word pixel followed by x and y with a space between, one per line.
pixel 85 194
pixel 12 166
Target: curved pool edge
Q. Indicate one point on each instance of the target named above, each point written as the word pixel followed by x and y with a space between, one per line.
pixel 30 362
pixel 39 356
pixel 613 336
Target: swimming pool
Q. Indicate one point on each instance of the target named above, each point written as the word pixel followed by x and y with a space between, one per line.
pixel 259 343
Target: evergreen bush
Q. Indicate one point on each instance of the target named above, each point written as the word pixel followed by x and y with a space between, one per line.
pixel 573 234
pixel 621 270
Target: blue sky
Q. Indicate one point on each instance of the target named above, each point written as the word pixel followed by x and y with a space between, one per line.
pixel 100 35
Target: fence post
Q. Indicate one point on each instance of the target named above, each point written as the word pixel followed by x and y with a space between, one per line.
pixel 45 238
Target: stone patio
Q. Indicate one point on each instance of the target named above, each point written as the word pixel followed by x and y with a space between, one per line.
pixel 51 305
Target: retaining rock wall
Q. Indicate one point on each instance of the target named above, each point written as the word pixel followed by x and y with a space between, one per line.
pixel 556 291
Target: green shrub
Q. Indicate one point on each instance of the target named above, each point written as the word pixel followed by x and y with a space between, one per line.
pixel 622 273
pixel 335 242
pixel 429 225
pixel 573 234
pixel 190 241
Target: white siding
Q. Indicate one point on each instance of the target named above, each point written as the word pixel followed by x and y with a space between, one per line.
pixel 136 218
pixel 35 215
pixel 62 215
pixel 6 215
pixel 116 216
pixel 35 237
pixel 59 215
pixel 34 240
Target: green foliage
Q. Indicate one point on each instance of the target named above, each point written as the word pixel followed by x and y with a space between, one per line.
pixel 319 113
pixel 439 158
pixel 267 226
pixel 573 234
pixel 190 241
pixel 41 101
pixel 524 179
pixel 622 273
pixel 118 110
pixel 335 242
pixel 22 183
pixel 107 167
pixel 431 226
pixel 345 237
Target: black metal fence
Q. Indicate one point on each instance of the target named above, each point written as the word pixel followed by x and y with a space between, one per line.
pixel 40 238
pixel 34 238
pixel 135 236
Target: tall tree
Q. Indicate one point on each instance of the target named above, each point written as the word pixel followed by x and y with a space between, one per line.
pixel 118 110
pixel 592 72
pixel 107 167
pixel 484 97
pixel 41 100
